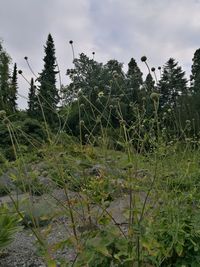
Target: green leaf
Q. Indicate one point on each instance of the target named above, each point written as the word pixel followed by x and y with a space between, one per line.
pixel 179 249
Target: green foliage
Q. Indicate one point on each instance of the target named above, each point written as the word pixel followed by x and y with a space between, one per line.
pixel 27 134
pixel 105 248
pixel 100 95
pixel 13 91
pixel 48 93
pixel 9 225
pixel 33 100
pixel 134 81
pixel 32 183
pixel 172 84
pixel 151 173
pixel 195 77
pixel 4 80
pixel 172 238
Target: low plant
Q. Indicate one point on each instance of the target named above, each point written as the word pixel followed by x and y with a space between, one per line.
pixel 9 225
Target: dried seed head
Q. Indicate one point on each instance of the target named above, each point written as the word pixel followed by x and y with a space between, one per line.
pixel 26 58
pixel 153 69
pixel 2 114
pixel 71 42
pixel 115 74
pixel 100 94
pixel 122 122
pixel 144 58
pixel 155 97
pixel 20 71
pixel 6 121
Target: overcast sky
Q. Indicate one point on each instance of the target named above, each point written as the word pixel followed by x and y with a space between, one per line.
pixel 118 29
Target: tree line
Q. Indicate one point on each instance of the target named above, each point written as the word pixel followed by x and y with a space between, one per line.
pixel 104 92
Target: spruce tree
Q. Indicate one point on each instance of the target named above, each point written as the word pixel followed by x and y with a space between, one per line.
pixel 195 88
pixel 48 93
pixel 4 79
pixel 195 77
pixel 172 84
pixel 13 91
pixel 149 83
pixel 134 80
pixel 33 100
pixel 147 89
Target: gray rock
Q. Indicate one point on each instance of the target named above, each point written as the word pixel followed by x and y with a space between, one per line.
pixel 96 170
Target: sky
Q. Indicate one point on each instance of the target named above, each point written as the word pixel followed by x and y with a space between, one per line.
pixel 113 29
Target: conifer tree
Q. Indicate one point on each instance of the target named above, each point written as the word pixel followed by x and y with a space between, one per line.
pixel 195 88
pixel 195 77
pixel 149 83
pixel 134 80
pixel 48 93
pixel 33 101
pixel 172 84
pixel 147 89
pixel 13 91
pixel 4 79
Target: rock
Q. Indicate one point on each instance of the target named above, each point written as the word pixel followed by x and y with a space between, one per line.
pixel 45 181
pixel 96 170
pixel 6 181
pixel 117 209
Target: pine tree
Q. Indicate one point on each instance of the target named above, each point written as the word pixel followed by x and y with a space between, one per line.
pixel 195 77
pixel 33 101
pixel 13 91
pixel 134 80
pixel 172 84
pixel 48 93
